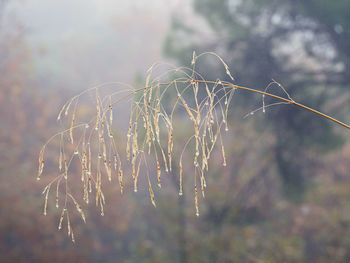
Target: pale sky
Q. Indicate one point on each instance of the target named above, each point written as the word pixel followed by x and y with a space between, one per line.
pixel 94 41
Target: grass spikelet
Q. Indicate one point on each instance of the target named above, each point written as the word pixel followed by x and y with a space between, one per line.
pixel 71 128
pixel 133 167
pixel 102 208
pixel 68 106
pixel 57 188
pixel 156 119
pixel 98 187
pixel 108 169
pixel 41 163
pixel 82 168
pixel 65 169
pixel 128 141
pixel 86 190
pixel 137 176
pixel 61 111
pixel 115 162
pixel 151 193
pixel 202 185
pixel 80 211
pixel 60 161
pixel 135 149
pixel 72 236
pixel 46 198
pixel 120 178
pixel 147 83
pixel 61 219
pixel 193 62
pixel 68 225
pixel 223 152
pixel 196 200
pixel 164 160
pixel 102 130
pixel 228 72
pixel 180 168
pixel 90 187
pixel 150 94
pixel 158 174
pixel 190 114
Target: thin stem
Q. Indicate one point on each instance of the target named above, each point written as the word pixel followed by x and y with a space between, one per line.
pixel 290 101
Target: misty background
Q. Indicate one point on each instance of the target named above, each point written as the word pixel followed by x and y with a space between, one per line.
pixel 284 195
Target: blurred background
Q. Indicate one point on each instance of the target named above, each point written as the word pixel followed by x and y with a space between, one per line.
pixel 284 195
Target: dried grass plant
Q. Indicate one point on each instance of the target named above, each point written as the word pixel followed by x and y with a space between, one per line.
pixel 149 138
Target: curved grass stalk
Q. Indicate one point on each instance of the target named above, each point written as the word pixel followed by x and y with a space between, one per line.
pixel 147 136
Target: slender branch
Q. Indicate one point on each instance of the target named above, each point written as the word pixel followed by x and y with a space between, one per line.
pixel 290 101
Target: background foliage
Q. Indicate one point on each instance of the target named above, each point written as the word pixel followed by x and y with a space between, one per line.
pixel 284 195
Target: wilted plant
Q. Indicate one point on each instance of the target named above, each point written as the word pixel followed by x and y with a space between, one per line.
pixel 150 134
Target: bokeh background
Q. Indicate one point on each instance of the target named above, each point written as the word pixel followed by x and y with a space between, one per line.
pixel 284 195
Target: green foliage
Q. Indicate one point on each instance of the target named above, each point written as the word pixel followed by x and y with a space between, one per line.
pixel 250 35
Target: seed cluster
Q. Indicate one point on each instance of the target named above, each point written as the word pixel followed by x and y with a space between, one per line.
pixel 149 139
